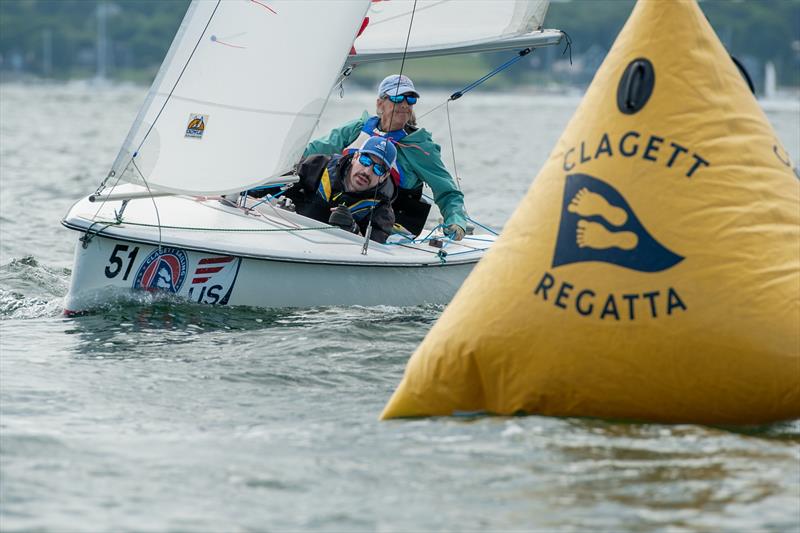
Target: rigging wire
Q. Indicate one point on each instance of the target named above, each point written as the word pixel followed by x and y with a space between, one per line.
pixel 111 174
pixel 452 146
pixel 391 117
pixel 403 60
pixel 342 77
pixel 155 205
pixel 458 94
pixel 567 45
pixel 522 53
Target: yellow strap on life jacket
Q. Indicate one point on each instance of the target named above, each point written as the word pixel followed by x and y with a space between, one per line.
pixel 325 185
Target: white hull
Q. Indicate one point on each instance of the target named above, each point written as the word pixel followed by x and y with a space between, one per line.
pixel 262 258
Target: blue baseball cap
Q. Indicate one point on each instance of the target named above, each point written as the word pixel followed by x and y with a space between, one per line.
pixel 381 147
pixel 396 84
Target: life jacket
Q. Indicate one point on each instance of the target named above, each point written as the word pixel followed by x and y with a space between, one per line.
pixel 410 211
pixel 370 129
pixel 333 195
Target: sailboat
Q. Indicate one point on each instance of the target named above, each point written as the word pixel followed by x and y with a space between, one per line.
pixel 235 102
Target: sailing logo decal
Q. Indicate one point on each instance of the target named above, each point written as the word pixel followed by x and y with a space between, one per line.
pixel 196 126
pixel 597 224
pixel 213 279
pixel 162 270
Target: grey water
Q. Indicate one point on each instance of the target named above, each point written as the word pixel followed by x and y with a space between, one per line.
pixel 161 416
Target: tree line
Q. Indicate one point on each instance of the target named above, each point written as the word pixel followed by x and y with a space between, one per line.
pixel 59 38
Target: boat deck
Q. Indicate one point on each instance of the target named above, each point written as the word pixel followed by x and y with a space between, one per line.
pixel 212 224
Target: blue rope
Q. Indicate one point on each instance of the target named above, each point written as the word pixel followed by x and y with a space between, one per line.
pixel 268 197
pixel 460 253
pixel 431 232
pixel 487 228
pixel 265 200
pixel 458 94
pixel 473 238
pixel 417 241
pixel 444 240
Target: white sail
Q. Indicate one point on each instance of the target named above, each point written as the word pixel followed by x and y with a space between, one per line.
pixel 442 27
pixel 239 93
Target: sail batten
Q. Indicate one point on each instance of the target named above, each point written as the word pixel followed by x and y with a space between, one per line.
pixel 238 108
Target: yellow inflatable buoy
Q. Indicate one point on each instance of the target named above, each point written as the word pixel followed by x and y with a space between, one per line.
pixel 652 272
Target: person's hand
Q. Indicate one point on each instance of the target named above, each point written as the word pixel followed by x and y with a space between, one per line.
pixel 455 232
pixel 342 217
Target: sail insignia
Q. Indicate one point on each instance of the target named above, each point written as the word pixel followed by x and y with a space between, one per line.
pixel 197 125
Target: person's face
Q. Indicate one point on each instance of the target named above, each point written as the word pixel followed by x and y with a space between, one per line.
pixel 363 177
pixel 394 116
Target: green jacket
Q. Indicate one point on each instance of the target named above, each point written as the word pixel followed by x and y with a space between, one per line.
pixel 421 161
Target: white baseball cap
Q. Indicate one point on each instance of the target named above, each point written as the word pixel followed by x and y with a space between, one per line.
pixel 396 84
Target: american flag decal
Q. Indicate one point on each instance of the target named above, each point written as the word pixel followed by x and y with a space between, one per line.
pixel 209 266
pixel 213 279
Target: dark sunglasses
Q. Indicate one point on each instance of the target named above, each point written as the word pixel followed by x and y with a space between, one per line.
pixel 378 168
pixel 400 97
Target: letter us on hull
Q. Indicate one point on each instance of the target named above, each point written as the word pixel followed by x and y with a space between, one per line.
pixel 106 268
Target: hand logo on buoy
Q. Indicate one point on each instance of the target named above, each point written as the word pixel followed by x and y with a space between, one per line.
pixel 597 224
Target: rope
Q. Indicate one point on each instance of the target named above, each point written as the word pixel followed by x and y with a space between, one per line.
pixel 405 51
pixel 458 94
pixel 567 46
pixel 265 200
pixel 522 53
pixel 487 228
pixel 264 6
pixel 87 237
pixel 340 83
pixel 155 205
pixel 102 187
pixel 416 241
pixel 452 146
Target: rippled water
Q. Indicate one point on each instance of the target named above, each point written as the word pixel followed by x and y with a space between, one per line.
pixel 154 415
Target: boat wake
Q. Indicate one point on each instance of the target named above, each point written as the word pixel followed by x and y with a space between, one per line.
pixel 31 290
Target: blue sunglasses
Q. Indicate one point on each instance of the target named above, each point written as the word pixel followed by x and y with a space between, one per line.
pixel 400 97
pixel 378 168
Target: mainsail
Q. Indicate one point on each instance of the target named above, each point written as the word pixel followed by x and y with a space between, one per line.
pixel 239 93
pixel 442 27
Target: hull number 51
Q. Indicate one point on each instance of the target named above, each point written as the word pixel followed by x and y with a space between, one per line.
pixel 117 261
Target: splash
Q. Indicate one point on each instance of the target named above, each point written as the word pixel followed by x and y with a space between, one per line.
pixel 31 290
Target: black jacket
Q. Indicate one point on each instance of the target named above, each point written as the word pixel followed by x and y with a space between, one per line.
pixel 319 191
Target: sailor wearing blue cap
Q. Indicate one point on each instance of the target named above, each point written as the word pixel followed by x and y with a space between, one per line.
pixel 418 162
pixel 350 191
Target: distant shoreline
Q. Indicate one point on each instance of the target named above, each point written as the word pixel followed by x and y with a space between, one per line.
pixel 785 97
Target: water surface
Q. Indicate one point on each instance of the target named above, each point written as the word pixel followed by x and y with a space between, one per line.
pixel 155 415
